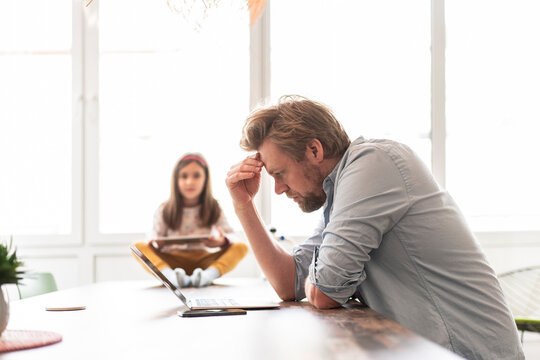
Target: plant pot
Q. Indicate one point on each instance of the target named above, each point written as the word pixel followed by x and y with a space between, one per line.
pixel 4 310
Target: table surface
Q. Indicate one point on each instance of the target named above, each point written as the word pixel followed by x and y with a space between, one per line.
pixel 138 320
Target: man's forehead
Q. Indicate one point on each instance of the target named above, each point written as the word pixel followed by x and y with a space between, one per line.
pixel 265 162
pixel 272 156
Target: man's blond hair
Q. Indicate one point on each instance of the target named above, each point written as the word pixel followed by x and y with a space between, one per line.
pixel 292 124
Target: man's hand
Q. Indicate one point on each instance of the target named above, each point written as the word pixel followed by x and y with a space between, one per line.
pixel 243 180
pixel 317 298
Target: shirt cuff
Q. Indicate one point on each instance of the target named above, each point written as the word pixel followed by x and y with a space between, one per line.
pixel 338 293
pixel 301 264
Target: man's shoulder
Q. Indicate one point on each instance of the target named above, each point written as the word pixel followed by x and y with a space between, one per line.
pixel 363 149
pixel 375 148
pixel 375 143
pixel 377 157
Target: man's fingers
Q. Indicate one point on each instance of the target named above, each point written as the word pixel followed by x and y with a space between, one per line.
pixel 234 177
pixel 244 170
pixel 252 160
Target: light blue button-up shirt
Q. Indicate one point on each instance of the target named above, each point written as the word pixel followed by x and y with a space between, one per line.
pixel 393 238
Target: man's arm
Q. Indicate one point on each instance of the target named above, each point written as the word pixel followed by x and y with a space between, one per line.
pixel 243 181
pixel 317 298
pixel 275 262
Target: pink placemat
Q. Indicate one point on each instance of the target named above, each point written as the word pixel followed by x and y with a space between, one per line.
pixel 26 339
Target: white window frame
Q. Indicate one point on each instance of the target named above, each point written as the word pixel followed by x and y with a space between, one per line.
pixel 91 136
pixel 438 94
pixel 77 202
pixel 260 92
pixel 85 128
pixel 260 72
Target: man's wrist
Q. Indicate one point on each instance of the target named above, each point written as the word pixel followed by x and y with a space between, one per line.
pixel 245 207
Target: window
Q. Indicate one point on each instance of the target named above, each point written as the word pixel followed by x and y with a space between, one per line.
pixel 97 103
pixel 39 127
pixel 492 112
pixel 366 61
pixel 165 88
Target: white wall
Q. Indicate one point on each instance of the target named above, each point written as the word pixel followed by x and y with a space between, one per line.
pixel 511 252
pixel 83 264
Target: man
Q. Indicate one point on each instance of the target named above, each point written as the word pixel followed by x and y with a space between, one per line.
pixel 389 235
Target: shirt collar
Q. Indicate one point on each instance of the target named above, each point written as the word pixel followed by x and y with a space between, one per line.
pixel 330 180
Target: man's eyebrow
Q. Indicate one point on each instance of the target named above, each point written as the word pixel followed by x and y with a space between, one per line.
pixel 272 171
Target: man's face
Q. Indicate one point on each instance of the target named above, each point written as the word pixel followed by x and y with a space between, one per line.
pixel 301 181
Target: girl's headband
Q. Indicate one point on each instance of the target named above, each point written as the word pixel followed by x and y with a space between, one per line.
pixel 194 157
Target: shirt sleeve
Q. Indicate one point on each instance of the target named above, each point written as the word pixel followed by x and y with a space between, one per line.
pixel 370 197
pixel 302 255
pixel 159 228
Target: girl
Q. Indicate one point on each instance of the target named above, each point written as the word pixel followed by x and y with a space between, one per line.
pixel 191 209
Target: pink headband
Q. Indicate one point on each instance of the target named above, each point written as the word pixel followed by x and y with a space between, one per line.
pixel 194 157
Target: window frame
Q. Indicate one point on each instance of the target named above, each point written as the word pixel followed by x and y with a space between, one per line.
pixel 85 132
pixel 91 137
pixel 76 237
pixel 438 122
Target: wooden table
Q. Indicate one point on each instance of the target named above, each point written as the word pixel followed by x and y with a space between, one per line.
pixel 138 320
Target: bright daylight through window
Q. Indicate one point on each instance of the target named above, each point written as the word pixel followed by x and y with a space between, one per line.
pixel 166 88
pixel 493 118
pixel 97 103
pixel 35 118
pixel 376 80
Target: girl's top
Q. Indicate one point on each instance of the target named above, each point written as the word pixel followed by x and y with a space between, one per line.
pixel 190 226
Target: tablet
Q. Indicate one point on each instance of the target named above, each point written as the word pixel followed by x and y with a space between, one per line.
pixel 65 307
pixel 182 239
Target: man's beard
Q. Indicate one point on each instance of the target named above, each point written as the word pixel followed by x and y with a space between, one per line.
pixel 313 200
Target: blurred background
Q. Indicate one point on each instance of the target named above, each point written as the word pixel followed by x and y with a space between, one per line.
pixel 97 103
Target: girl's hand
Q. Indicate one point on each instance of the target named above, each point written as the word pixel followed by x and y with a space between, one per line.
pixel 158 244
pixel 217 239
pixel 244 179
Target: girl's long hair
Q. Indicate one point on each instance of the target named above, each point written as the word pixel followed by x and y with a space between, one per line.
pixel 173 209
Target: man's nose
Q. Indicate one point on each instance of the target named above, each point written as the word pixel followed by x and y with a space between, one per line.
pixel 280 188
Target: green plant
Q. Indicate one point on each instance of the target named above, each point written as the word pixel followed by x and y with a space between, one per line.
pixel 10 272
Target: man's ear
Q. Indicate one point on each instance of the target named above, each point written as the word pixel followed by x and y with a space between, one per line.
pixel 314 152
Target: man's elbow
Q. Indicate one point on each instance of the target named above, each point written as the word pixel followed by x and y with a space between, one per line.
pixel 321 301
pixel 285 294
pixel 287 297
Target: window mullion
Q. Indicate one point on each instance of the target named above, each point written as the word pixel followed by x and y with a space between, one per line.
pixel 77 140
pixel 438 119
pixel 91 113
pixel 260 92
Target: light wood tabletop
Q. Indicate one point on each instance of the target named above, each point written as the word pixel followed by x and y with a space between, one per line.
pixel 138 320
